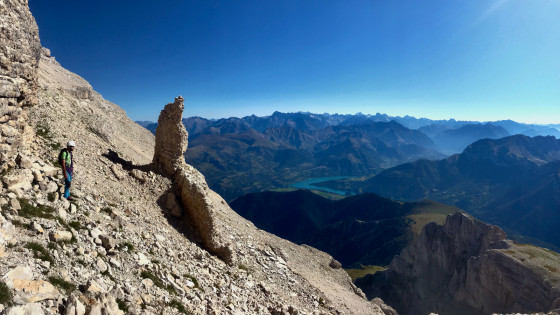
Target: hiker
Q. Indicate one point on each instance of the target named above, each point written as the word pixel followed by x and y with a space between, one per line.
pixel 67 163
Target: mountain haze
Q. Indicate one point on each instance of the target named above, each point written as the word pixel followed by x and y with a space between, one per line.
pixel 456 140
pixel 513 182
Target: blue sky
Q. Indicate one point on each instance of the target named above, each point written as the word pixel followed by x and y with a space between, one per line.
pixel 463 59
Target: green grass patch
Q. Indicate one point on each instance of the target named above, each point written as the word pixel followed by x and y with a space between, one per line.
pixel 19 224
pixel 179 307
pixel 6 295
pixel 44 132
pixel 538 252
pixel 107 210
pixel 82 262
pixel 108 275
pixel 129 246
pixel 65 286
pixel 427 211
pixel 40 252
pixel 157 281
pixel 30 211
pixel 551 268
pixel 122 306
pixel 76 225
pixel 327 195
pixel 193 279
pixel 284 189
pixel 363 271
pixel 52 196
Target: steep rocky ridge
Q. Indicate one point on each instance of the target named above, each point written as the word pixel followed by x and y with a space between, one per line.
pixel 468 267
pixel 134 240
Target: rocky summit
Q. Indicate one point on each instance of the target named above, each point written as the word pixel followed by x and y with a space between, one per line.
pixel 145 234
pixel 468 267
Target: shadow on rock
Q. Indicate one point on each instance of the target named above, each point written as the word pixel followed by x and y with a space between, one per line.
pixel 173 211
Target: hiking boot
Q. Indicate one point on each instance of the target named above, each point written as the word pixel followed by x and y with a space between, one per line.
pixel 70 198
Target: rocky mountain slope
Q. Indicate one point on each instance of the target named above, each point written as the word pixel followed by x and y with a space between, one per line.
pixel 364 229
pixel 146 234
pixel 512 182
pixel 468 267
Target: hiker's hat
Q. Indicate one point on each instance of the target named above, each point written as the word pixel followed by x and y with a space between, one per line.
pixel 71 144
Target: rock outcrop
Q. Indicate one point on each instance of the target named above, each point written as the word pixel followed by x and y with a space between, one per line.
pixel 190 185
pixel 20 50
pixel 467 267
pixel 171 138
pixel 200 211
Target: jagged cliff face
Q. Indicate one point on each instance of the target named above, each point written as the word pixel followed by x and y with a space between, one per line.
pixel 19 56
pixel 468 267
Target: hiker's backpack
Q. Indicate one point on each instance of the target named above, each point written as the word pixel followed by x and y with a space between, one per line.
pixel 60 156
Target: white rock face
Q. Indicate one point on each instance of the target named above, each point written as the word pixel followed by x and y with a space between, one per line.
pixel 27 309
pixel 18 273
pixel 28 290
pixel 75 307
pixel 7 231
pixel 20 49
pixel 171 138
pixel 60 236
pixel 105 305
pixel 18 179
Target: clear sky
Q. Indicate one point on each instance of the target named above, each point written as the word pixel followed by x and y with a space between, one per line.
pixel 463 59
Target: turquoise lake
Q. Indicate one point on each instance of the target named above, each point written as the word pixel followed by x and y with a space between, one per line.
pixel 309 184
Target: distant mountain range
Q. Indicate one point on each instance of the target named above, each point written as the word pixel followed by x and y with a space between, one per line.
pixel 249 154
pixel 513 182
pixel 310 121
pixel 452 141
pixel 360 230
pixel 250 160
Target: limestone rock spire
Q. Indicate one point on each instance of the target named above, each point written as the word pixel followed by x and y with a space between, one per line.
pixel 171 138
